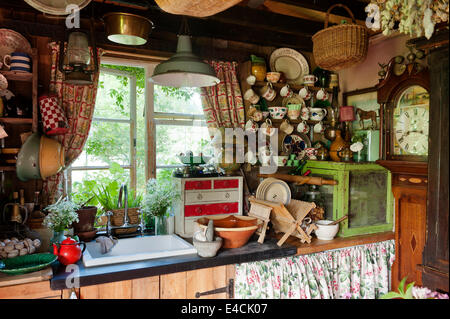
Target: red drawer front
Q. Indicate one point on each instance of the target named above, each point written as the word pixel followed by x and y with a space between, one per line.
pixel 227 183
pixel 197 185
pixel 211 209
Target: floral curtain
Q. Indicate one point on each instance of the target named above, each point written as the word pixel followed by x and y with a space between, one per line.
pixel 222 103
pixel 359 272
pixel 78 102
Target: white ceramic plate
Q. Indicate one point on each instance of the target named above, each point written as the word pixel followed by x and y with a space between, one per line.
pixel 56 7
pixel 278 191
pixel 292 63
pixel 259 189
pixel 11 41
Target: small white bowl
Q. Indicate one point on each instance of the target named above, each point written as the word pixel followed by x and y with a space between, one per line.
pixel 325 231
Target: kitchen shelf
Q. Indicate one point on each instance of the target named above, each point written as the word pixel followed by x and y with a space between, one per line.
pixel 16 120
pixel 294 87
pixel 7 168
pixel 18 76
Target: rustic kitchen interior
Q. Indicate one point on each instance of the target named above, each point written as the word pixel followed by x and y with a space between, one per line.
pixel 255 149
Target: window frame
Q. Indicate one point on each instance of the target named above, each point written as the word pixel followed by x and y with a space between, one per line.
pixel 133 130
pixel 152 119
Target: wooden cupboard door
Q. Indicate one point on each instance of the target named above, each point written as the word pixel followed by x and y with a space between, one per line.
pixel 111 290
pixel 207 279
pixel 142 288
pixel 410 209
pixel 35 290
pixel 436 252
pixel 145 288
pixel 185 285
pixel 173 286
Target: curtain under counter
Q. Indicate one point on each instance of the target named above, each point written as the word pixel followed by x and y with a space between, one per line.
pixel 358 272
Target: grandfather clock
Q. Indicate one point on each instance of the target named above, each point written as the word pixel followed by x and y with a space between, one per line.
pixel 404 115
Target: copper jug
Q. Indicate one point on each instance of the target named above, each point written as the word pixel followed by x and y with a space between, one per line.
pixel 338 144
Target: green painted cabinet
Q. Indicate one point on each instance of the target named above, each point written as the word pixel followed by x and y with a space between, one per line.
pixel 363 192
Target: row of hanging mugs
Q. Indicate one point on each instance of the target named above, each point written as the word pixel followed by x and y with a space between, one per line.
pixel 269 93
pixel 293 112
pixel 286 127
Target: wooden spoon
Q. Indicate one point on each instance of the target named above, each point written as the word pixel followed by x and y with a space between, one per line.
pixel 339 220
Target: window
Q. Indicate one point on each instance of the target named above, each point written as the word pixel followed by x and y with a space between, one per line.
pixel 179 127
pixel 138 129
pixel 113 150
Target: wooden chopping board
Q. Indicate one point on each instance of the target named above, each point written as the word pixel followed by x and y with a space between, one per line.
pixel 40 275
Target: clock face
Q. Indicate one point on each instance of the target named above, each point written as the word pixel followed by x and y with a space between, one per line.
pixel 411 127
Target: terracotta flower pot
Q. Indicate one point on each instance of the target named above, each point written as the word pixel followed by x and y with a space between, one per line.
pixel 86 216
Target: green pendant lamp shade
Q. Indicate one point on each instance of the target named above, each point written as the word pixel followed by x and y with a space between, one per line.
pixel 184 69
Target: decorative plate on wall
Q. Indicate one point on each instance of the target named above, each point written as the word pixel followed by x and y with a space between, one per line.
pixel 11 41
pixel 56 7
pixel 292 63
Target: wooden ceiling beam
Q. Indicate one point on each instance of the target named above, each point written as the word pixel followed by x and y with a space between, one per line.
pixel 289 9
pixel 267 21
pixel 356 6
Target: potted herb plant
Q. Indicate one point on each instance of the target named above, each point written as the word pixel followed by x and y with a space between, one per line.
pixel 60 216
pixel 108 199
pixel 158 199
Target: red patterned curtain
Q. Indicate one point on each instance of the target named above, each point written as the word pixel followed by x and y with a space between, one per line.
pixel 222 103
pixel 78 102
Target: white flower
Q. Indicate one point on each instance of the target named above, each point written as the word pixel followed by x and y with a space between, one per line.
pixel 61 215
pixel 356 147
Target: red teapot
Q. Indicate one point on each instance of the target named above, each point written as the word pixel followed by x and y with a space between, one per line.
pixel 69 251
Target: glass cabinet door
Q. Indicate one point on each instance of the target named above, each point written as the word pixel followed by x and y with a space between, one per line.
pixel 367 198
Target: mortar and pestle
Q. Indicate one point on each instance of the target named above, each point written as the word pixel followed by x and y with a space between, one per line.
pixel 205 243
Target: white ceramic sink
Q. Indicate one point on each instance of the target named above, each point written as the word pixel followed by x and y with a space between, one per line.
pixel 137 248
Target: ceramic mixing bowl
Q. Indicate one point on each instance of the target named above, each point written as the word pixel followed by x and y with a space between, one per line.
pixel 235 230
pixel 51 157
pixel 27 165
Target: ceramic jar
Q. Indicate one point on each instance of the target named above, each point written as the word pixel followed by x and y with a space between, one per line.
pixel 259 70
pixel 338 144
pixel 294 111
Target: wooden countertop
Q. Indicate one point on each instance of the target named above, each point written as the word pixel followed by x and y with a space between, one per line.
pixel 318 245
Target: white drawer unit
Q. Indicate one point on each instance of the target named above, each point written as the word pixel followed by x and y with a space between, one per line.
pixel 200 197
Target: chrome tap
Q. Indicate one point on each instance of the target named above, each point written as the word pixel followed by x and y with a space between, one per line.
pixel 126 222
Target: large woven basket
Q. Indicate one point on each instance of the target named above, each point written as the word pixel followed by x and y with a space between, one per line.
pixel 342 46
pixel 196 8
pixel 118 216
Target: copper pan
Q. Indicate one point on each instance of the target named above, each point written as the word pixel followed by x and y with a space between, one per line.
pixel 127 28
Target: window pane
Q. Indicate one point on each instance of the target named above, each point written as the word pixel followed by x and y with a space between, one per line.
pixel 177 100
pixel 113 97
pixel 108 142
pixel 101 177
pixel 172 140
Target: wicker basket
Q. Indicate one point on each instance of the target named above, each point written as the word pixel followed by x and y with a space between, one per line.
pixel 118 216
pixel 342 46
pixel 196 8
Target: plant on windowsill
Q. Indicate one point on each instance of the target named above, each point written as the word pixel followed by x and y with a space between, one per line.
pixel 413 292
pixel 108 199
pixel 60 216
pixel 157 201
